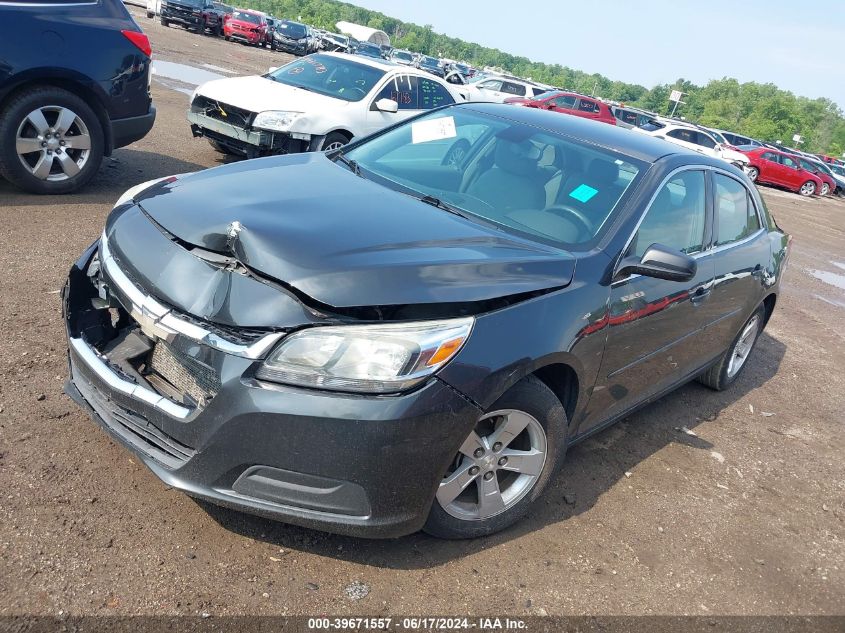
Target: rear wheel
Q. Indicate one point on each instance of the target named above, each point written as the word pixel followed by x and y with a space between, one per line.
pixel 727 369
pixel 503 466
pixel 150 14
pixel 807 189
pixel 164 22
pixel 51 141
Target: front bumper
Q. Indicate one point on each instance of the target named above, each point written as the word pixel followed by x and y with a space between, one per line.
pixel 249 141
pixel 192 21
pixel 350 464
pixel 290 47
pixel 244 36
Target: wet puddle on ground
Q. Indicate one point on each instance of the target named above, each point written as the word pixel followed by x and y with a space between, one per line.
pixel 836 280
pixel 182 77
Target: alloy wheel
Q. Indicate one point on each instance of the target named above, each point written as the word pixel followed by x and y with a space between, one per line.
pixel 333 146
pixel 825 189
pixel 753 172
pixel 53 143
pixel 808 189
pixel 496 466
pixel 743 346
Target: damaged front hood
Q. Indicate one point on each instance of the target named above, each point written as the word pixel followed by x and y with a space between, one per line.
pixel 346 241
pixel 257 94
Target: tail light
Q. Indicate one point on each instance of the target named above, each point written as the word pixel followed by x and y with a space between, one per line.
pixel 140 40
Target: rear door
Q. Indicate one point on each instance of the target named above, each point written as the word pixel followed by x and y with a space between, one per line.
pixel 655 325
pixel 741 256
pixel 588 108
pixel 790 172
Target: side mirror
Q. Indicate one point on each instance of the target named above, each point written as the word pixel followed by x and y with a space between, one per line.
pixel 387 105
pixel 550 105
pixel 660 262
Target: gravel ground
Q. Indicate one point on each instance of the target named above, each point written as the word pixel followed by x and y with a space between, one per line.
pixel 744 515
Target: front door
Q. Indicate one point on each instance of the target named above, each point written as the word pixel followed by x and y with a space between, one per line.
pixel 655 326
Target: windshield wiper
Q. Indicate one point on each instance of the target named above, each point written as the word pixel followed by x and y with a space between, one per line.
pixel 445 206
pixel 353 165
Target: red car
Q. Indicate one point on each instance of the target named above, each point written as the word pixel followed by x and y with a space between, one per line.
pixel 243 25
pixel 828 183
pixel 779 168
pixel 569 103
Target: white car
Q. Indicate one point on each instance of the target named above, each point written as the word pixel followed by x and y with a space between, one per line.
pixel 153 8
pixel 694 138
pixel 318 102
pixel 497 89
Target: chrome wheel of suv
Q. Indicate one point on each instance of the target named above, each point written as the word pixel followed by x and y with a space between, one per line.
pixel 53 143
pixel 497 465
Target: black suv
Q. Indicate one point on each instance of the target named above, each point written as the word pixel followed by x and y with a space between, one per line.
pixel 195 15
pixel 74 85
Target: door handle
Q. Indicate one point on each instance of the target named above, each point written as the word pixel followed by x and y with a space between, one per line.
pixel 700 295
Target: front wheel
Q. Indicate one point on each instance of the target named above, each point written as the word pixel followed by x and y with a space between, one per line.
pixel 807 189
pixel 151 14
pixel 164 22
pixel 753 173
pixel 503 466
pixel 727 369
pixel 51 141
pixel 825 189
pixel 333 141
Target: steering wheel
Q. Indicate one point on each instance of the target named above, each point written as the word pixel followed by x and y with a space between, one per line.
pixel 571 213
pixel 456 153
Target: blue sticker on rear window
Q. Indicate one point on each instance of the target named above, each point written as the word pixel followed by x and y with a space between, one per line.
pixel 583 193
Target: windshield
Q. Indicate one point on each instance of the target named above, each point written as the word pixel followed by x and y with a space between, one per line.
pixel 292 29
pixel 403 55
pixel 369 49
pixel 425 60
pixel 245 17
pixel 330 76
pixel 718 137
pixel 836 169
pixel 516 177
pixel 547 94
pixel 190 3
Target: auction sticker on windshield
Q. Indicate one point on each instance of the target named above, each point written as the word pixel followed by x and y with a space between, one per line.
pixel 583 193
pixel 433 130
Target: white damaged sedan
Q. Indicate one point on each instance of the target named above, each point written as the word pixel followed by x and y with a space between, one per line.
pixel 319 102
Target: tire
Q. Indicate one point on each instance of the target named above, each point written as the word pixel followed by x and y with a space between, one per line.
pixel 753 173
pixel 333 140
pixel 825 189
pixel 807 189
pixel 722 374
pixel 226 37
pixel 150 14
pixel 164 22
pixel 218 147
pixel 530 401
pixel 66 168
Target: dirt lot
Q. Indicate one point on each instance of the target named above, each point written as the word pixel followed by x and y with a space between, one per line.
pixel 746 516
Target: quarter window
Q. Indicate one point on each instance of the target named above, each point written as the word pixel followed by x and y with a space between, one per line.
pixel 513 89
pixel 736 216
pixel 676 217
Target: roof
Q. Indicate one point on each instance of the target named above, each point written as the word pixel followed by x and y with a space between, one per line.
pixel 618 139
pixel 364 33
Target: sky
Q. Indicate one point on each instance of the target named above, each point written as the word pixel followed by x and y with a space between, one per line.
pixel 797 45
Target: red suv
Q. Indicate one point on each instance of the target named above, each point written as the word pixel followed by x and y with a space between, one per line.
pixel 779 168
pixel 243 25
pixel 569 103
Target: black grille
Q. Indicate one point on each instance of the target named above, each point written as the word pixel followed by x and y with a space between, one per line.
pixel 133 427
pixel 188 375
pixel 222 111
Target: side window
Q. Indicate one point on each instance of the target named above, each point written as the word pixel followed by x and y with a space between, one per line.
pixel 682 134
pixel 770 157
pixel 432 94
pixel 789 162
pixel 705 140
pixel 567 102
pixel 537 91
pixel 629 117
pixel 676 217
pixel 736 217
pixel 513 89
pixel 404 90
pixel 493 84
pixel 585 105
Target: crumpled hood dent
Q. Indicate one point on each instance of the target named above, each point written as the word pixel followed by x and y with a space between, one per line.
pixel 345 241
pixel 258 94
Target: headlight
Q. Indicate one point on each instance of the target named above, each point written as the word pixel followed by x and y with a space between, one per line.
pixel 130 193
pixel 302 41
pixel 278 120
pixel 366 358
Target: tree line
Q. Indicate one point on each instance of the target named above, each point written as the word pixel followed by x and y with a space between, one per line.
pixel 762 111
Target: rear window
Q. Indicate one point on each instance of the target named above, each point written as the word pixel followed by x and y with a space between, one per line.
pixel 585 105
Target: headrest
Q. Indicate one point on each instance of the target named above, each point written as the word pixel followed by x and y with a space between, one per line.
pixel 602 172
pixel 517 158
